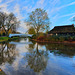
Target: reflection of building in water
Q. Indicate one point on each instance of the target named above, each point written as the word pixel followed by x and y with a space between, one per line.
pixel 7 53
pixel 60 49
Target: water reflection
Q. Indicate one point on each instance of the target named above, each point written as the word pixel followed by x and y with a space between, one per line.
pixel 60 49
pixel 37 59
pixel 25 58
pixel 7 53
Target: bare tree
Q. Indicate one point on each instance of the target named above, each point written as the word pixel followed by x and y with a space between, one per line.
pixel 38 19
pixel 8 22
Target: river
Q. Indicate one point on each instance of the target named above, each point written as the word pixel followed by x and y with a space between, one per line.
pixel 24 57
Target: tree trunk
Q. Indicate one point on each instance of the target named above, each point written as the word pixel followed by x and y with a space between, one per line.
pixel 7 33
pixel 37 48
pixel 37 33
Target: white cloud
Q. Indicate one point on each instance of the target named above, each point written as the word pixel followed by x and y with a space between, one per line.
pixel 17 11
pixel 33 2
pixel 55 17
pixel 4 6
pixel 22 28
pixel 58 8
pixel 0 1
pixel 27 8
pixel 66 15
pixel 9 1
pixel 72 17
pixel 54 2
pixel 55 9
pixel 51 6
pixel 40 2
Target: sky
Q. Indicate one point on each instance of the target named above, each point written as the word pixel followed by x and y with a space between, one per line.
pixel 60 12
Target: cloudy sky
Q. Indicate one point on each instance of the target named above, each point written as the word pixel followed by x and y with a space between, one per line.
pixel 60 12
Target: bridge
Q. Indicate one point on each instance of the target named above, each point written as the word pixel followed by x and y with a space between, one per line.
pixel 20 35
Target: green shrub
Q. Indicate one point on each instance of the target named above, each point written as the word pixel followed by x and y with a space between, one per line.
pixel 51 38
pixel 73 38
pixel 54 38
pixel 61 39
pixel 70 38
pixel 34 36
pixel 4 38
pixel 41 38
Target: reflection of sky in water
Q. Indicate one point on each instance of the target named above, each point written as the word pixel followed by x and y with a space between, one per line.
pixel 56 64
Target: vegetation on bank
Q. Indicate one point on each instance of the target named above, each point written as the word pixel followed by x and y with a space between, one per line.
pixel 2 73
pixel 54 38
pixel 2 39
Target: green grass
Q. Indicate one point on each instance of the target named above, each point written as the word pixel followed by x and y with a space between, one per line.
pixel 3 39
pixel 7 39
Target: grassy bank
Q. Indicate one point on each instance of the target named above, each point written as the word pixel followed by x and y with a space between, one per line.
pixel 1 72
pixel 3 39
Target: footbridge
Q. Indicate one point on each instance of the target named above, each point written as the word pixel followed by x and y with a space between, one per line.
pixel 20 35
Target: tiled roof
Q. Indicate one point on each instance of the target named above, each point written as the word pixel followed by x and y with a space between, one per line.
pixel 63 29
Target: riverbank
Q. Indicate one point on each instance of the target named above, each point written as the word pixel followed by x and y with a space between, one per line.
pixel 54 39
pixel 58 42
pixel 3 39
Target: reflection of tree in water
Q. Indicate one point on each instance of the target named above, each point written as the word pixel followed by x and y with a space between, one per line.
pixel 30 47
pixel 37 59
pixel 7 53
pixel 64 50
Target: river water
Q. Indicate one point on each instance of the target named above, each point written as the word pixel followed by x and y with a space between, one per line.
pixel 24 57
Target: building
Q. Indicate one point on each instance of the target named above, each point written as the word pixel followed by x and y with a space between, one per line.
pixel 63 30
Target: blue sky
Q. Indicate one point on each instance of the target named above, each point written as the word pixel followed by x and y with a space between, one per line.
pixel 60 12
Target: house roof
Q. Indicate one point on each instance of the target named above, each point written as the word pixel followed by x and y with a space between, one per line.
pixel 63 29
